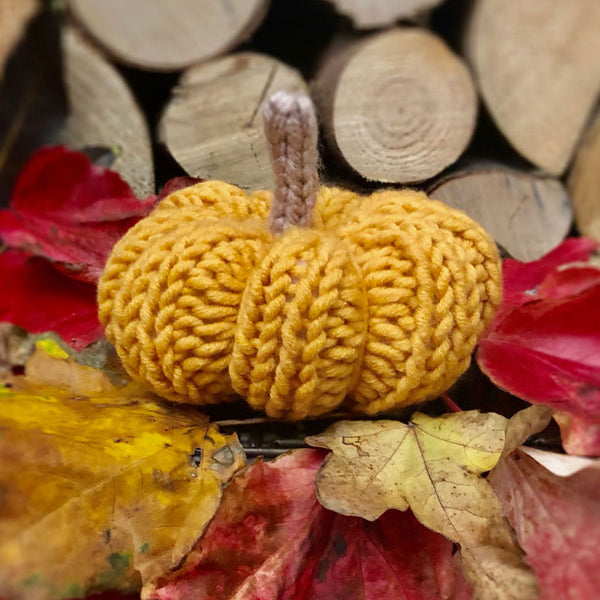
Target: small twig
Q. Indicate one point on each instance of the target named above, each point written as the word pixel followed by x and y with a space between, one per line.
pixel 289 444
pixel 236 422
pixel 291 130
pixel 260 420
pixel 252 452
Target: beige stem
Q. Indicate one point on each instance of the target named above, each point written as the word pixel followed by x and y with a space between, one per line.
pixel 291 130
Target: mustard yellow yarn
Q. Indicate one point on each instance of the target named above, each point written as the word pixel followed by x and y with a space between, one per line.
pixel 301 327
pixel 381 302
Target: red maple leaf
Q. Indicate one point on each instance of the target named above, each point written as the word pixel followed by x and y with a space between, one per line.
pixel 110 596
pixel 544 344
pixel 39 298
pixel 70 211
pixel 271 539
pixel 65 216
pixel 557 521
pixel 523 282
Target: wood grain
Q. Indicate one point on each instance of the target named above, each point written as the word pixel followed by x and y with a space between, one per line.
pixel 584 182
pixel 527 214
pixel 368 14
pixel 168 34
pixel 212 126
pixel 537 67
pixel 103 112
pixel 14 16
pixel 399 107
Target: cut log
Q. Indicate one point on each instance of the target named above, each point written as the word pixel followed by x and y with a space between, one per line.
pixel 14 16
pixel 527 214
pixel 164 35
pixel 369 14
pixel 584 182
pixel 103 112
pixel 398 107
pixel 213 124
pixel 537 67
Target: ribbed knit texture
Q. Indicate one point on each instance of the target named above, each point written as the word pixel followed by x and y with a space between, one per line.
pixel 380 302
pixel 291 130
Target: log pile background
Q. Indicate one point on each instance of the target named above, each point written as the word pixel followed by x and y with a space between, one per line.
pixel 488 105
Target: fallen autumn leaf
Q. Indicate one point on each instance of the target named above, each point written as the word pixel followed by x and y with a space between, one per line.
pixel 434 467
pixel 272 540
pixel 70 211
pixel 65 216
pixel 544 344
pixel 522 280
pixel 116 486
pixel 557 522
pixel 42 299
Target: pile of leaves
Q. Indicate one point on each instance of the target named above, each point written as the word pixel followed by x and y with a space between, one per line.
pixel 106 489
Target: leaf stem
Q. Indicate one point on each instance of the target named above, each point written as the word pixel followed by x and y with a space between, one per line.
pixel 450 403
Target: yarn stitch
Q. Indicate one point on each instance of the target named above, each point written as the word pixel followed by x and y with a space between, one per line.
pixel 380 302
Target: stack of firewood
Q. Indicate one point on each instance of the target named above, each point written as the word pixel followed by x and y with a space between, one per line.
pixel 487 105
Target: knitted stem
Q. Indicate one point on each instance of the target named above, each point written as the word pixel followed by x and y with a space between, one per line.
pixel 291 130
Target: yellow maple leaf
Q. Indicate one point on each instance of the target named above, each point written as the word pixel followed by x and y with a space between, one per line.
pixel 106 489
pixel 434 466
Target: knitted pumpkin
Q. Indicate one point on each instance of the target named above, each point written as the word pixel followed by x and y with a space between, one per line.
pixel 381 300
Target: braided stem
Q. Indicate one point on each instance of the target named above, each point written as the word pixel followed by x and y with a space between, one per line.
pixel 291 130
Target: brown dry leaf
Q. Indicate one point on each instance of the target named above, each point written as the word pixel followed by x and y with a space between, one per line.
pixel 434 466
pixel 523 424
pixel 16 346
pixel 103 488
pixel 271 540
